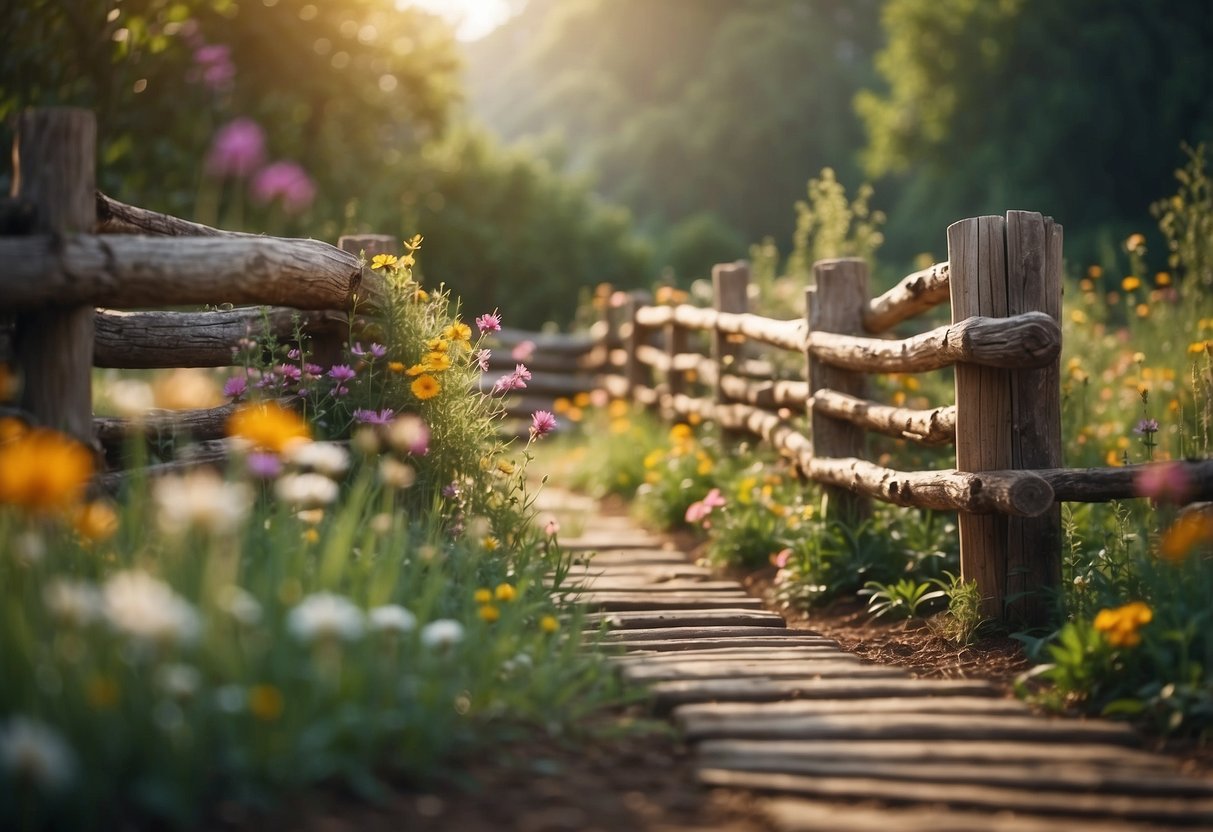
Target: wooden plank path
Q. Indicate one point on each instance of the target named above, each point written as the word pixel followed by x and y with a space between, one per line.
pixel 829 741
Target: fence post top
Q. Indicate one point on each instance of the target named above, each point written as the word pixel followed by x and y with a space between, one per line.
pixel 959 223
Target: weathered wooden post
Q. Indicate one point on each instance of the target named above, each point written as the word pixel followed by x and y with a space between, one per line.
pixel 633 335
pixel 675 345
pixel 327 347
pixel 54 172
pixel 1034 268
pixel 836 304
pixel 730 288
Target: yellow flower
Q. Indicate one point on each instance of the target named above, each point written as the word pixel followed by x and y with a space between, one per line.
pixel 1189 531
pixel 1197 347
pixel 1094 272
pixel 505 592
pixel 396 366
pixel 96 520
pixel 1143 310
pixel 382 261
pixel 681 433
pixel 408 261
pixel 484 595
pixel 265 702
pixel 413 243
pixel 311 536
pixel 41 469
pixel 1130 283
pixel 425 387
pixel 618 409
pixel 581 400
pixel 420 295
pixel 415 370
pixel 269 427
pixel 549 624
pixel 575 414
pixel 490 544
pixel 653 458
pixel 437 344
pixel 457 331
pixel 1078 316
pixel 1135 242
pixel 1162 279
pixel 561 405
pixel 505 466
pixel 1121 625
pixel 489 613
pixel 436 362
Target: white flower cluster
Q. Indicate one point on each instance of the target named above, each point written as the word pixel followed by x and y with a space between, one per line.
pixel 139 606
pixel 34 753
pixel 200 500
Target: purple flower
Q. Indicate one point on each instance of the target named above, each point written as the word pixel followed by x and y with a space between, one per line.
pixel 450 490
pixel 375 351
pixel 341 372
pixel 1146 427
pixel 490 322
pixel 542 423
pixel 213 66
pixel 289 372
pixel 514 381
pixel 378 350
pixel 237 149
pixel 286 181
pixel 374 417
pixel 522 372
pixel 264 466
pixel 341 390
pixel 214 53
pixel 293 354
pixel 235 387
pixel 523 351
pixel 1164 482
pixel 268 379
pixel 482 359
pixel 313 370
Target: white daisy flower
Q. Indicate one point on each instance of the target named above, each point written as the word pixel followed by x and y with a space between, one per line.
pixel 33 752
pixel 392 618
pixel 327 458
pixel 442 634
pixel 138 605
pixel 72 602
pixel 306 490
pixel 200 500
pixel 325 615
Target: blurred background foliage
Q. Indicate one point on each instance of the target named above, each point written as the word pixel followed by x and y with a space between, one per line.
pixel 627 140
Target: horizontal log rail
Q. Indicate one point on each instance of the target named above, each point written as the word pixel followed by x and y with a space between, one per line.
pixel 1025 341
pixel 915 294
pixel 148 340
pixel 202 424
pixel 121 271
pixel 927 427
pixel 1186 481
pixel 766 394
pixel 114 217
pixel 788 335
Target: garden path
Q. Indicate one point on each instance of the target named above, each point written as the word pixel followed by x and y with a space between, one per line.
pixel 829 741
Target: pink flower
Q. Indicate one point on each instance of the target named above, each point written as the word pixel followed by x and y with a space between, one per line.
pixel 237 149
pixel 374 351
pixel 289 372
pixel 552 527
pixel 341 372
pixel 522 372
pixel 410 434
pixel 211 54
pixel 286 181
pixel 374 417
pixel 482 359
pixel 490 322
pixel 513 381
pixel 1164 482
pixel 235 387
pixel 698 511
pixel 264 466
pixel 542 423
pixel 780 558
pixel 524 351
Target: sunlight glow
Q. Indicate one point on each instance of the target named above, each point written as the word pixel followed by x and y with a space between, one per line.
pixel 472 19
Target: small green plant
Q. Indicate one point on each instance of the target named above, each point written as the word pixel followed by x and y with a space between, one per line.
pixel 903 598
pixel 964 618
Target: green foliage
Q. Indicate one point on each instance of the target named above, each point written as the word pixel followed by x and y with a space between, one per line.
pixel 606 457
pixel 699 242
pixel 827 226
pixel 1186 221
pixel 678 475
pixel 900 599
pixel 507 229
pixel 765 512
pixel 964 618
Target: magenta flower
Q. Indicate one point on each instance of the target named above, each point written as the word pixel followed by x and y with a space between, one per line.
pixel 1146 427
pixel 482 359
pixel 289 372
pixel 489 322
pixel 513 381
pixel 375 351
pixel 293 354
pixel 213 53
pixel 780 558
pixel 235 387
pixel 1163 482
pixel 524 351
pixel 698 511
pixel 264 466
pixel 313 370
pixel 341 373
pixel 542 423
pixel 374 417
pixel 237 149
pixel 286 181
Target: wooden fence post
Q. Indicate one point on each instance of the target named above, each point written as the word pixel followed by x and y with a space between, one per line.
pixel 633 336
pixel 730 287
pixel 55 173
pixel 836 304
pixel 327 349
pixel 675 345
pixel 1034 245
pixel 977 255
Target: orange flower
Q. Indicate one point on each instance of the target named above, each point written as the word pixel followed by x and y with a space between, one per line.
pixel 42 469
pixel 1121 625
pixel 425 387
pixel 269 427
pixel 96 520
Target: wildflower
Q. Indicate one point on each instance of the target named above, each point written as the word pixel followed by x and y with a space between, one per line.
pixel 73 602
pixel 1130 283
pixel 383 261
pixel 524 351
pixel 325 616
pixel 1121 625
pixel 413 243
pixel 1146 427
pixel 484 595
pixel 513 381
pixel 436 362
pixel 41 469
pixel 310 536
pixel 1135 242
pixel 235 387
pixel 437 345
pixel 505 592
pixel 549 624
pixel 268 427
pixel 391 618
pixel 489 322
pixel 263 466
pixel 490 544
pixel 289 372
pixel 33 752
pixel 396 474
pixel 395 366
pixel 441 634
pixel 780 558
pixel 542 423
pixel 213 67
pixel 265 702
pixel 240 605
pixel 681 433
pixel 1162 279
pixel 306 490
pixel 374 417
pixel 200 500
pixel 482 359
pixel 1197 347
pixel 341 373
pixel 425 387
pixel 416 370
pixel 286 181
pixel 457 332
pixel 1185 534
pixel 552 528
pixel 238 149
pixel 374 351
pixel 408 434
pixel 139 606
pixel 327 458
pixel 96 520
pixel 699 510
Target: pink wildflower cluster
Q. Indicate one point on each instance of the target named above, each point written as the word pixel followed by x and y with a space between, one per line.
pixel 237 150
pixel 1164 482
pixel 489 322
pixel 286 181
pixel 213 67
pixel 698 511
pixel 542 423
pixel 513 381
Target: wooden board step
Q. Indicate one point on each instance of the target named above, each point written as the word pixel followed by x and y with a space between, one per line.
pixel 669 695
pixel 652 572
pixel 812 707
pixel 790 814
pixel 745 670
pixel 609 583
pixel 1036 776
pixel 611 539
pixel 1177 811
pixel 645 619
pixel 772 639
pixel 858 727
pixel 724 653
pixel 624 601
pixel 678 634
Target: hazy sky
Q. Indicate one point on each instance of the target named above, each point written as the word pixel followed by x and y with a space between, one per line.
pixel 472 18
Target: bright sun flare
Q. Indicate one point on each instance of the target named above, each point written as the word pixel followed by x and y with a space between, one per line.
pixel 472 19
